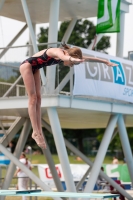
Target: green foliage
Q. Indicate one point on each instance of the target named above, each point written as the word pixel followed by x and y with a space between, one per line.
pixel 103 44
pixel 43 37
pixel 115 145
pixel 83 34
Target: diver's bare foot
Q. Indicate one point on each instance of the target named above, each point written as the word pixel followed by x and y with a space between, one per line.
pixel 38 137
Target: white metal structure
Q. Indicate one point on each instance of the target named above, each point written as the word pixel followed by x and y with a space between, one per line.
pixel 62 111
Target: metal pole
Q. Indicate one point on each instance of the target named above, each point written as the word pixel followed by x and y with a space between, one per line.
pixel 126 145
pixel 31 51
pixel 101 153
pixel 120 36
pixel 12 87
pixel 53 170
pixel 89 162
pixel 52 37
pixel 99 36
pixel 71 80
pixel 83 179
pixel 1 4
pixel 32 34
pixel 14 128
pixel 114 134
pixel 13 40
pixel 69 30
pixel 26 170
pixel 60 145
pixel 62 83
pixel 19 147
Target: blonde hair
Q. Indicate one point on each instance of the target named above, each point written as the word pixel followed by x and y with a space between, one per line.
pixel 74 52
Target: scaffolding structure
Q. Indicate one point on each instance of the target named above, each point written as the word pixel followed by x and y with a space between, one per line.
pixel 57 107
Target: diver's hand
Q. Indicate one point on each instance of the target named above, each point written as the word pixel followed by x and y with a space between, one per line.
pixel 110 64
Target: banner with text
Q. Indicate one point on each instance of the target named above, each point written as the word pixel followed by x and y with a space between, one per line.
pixel 78 170
pixel 97 79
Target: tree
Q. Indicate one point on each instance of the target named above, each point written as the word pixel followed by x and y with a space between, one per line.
pixel 43 37
pixel 83 34
pixel 115 145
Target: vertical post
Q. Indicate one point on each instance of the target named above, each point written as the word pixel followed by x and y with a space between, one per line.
pixel 17 90
pixel 71 80
pixel 120 36
pixel 101 153
pixel 26 170
pixel 19 147
pixel 32 34
pixel 126 145
pixel 52 37
pixel 87 160
pixel 1 4
pixel 31 51
pixel 61 149
pixel 53 170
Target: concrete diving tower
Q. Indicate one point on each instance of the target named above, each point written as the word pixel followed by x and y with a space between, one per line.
pixel 62 110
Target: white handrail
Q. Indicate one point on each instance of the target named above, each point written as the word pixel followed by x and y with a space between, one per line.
pixel 17 89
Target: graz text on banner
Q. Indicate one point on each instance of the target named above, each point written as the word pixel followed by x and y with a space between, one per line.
pixel 97 79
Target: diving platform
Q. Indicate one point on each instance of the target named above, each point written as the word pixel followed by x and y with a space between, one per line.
pixel 57 194
pixel 67 110
pixel 73 112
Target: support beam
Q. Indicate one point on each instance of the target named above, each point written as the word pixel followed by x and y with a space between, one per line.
pixel 62 83
pixel 73 149
pixel 53 170
pixel 15 127
pixel 71 81
pixel 60 145
pixel 32 34
pixel 52 37
pixel 90 163
pixel 69 74
pixel 126 145
pixel 93 43
pixel 83 179
pixel 18 150
pixel 69 30
pixel 1 4
pixel 120 36
pixel 114 134
pixel 12 87
pixel 31 175
pixel 101 153
pixel 2 127
pixel 13 40
pixel 31 50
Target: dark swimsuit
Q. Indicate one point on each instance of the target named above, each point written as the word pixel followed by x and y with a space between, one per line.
pixel 41 61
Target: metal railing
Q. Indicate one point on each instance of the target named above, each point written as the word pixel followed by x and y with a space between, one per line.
pixel 11 69
pixel 18 90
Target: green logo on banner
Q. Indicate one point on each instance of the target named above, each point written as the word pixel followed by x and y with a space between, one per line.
pixel 119 171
